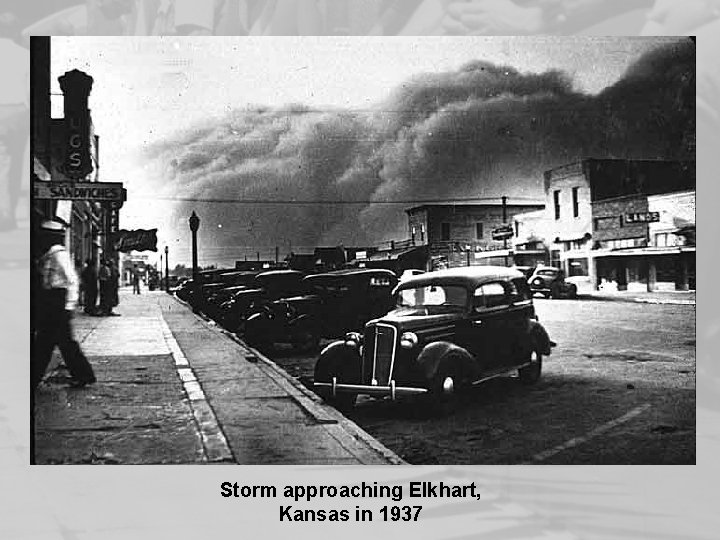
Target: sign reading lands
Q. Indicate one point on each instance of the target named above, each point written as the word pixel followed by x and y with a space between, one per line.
pixel 79 191
pixel 137 240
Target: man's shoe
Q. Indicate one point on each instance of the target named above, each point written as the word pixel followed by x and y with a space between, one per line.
pixel 80 383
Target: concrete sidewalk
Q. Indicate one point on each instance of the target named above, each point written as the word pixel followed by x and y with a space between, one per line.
pixel 656 297
pixel 173 388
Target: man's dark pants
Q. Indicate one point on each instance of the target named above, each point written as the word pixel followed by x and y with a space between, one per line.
pixel 53 326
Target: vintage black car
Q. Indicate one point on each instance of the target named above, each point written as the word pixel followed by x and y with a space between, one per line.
pixel 550 282
pixel 267 287
pixel 214 286
pixel 333 303
pixel 450 329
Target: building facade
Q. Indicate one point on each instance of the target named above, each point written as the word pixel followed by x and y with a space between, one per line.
pixel 645 242
pixel 465 234
pixel 625 224
pixel 66 150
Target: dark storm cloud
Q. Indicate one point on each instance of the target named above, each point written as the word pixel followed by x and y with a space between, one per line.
pixel 483 130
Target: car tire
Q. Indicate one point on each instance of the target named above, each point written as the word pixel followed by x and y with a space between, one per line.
pixel 446 386
pixel 572 291
pixel 530 375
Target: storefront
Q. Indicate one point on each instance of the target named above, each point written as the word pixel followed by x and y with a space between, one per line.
pixel 646 269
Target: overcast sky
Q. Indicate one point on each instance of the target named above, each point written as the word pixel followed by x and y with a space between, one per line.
pixel 146 88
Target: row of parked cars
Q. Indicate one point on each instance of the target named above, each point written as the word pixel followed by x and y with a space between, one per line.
pixel 290 307
pixel 431 333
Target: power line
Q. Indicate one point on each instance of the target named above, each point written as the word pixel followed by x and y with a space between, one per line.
pixel 530 200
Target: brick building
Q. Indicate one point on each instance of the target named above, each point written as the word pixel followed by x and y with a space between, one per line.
pixel 611 221
pixel 463 234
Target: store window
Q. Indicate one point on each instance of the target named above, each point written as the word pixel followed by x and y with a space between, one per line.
pixel 478 231
pixel 578 267
pixel 576 205
pixel 555 258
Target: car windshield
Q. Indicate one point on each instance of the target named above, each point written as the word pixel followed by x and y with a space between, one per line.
pixel 433 298
pixel 548 272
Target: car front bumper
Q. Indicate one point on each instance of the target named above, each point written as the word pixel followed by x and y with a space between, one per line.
pixel 374 390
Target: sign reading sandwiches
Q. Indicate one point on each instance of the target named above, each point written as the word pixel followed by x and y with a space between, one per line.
pixel 79 191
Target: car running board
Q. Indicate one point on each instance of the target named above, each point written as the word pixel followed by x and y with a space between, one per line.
pixel 501 373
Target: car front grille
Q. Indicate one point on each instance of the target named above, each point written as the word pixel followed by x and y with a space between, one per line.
pixel 379 354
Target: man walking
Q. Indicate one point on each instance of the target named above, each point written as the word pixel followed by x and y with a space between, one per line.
pixel 56 298
pixel 136 279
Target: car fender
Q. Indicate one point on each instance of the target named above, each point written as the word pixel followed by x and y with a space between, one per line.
pixel 433 354
pixel 258 323
pixel 302 321
pixel 338 357
pixel 540 338
pixel 257 318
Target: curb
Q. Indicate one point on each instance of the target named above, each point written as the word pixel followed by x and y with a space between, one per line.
pixel 636 299
pixel 308 401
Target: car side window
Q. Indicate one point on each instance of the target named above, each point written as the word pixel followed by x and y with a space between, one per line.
pixel 489 295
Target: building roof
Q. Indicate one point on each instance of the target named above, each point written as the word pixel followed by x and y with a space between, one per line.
pixel 489 204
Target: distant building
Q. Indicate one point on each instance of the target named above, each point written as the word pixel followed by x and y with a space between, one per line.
pixel 466 234
pixel 598 220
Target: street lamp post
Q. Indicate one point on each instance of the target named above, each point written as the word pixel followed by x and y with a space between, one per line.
pixel 194 222
pixel 167 271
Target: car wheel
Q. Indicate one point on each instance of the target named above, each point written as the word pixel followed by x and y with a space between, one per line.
pixel 531 374
pixel 446 386
pixel 572 291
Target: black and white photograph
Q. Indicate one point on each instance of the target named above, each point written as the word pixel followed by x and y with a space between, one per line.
pixel 363 250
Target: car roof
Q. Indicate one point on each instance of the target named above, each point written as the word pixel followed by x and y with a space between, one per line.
pixel 274 273
pixel 355 272
pixel 468 276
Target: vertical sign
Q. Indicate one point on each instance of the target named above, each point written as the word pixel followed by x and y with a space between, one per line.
pixel 76 87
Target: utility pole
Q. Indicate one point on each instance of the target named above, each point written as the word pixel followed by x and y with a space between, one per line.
pixel 504 218
pixel 194 222
pixel 167 271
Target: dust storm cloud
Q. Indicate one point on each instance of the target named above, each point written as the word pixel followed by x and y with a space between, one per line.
pixel 483 130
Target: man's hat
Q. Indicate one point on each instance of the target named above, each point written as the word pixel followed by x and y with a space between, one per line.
pixel 51 226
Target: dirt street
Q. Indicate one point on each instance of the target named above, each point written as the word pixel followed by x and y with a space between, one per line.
pixel 618 389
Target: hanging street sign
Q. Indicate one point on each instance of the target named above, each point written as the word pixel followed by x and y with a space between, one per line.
pixel 80 191
pixel 137 240
pixel 502 233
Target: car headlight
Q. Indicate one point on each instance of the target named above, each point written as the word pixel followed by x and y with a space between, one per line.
pixel 408 340
pixel 353 339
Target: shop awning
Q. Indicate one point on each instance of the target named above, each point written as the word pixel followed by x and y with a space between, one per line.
pixel 642 252
pixel 497 253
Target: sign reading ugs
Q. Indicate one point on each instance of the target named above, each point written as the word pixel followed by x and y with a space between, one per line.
pixel 78 163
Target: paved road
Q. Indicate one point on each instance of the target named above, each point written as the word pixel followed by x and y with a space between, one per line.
pixel 620 389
